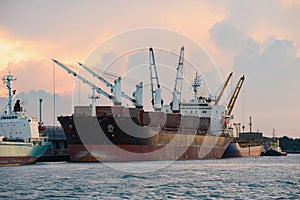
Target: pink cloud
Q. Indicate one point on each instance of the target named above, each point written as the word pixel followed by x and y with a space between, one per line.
pixel 38 75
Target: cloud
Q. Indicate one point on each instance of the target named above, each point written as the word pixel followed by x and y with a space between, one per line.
pixel 278 61
pixel 55 19
pixel 259 38
pixel 271 83
pixel 38 75
pixel 228 37
pixel 68 30
pixel 260 19
pixel 30 102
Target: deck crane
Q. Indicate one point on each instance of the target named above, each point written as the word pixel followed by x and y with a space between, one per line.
pixel 95 88
pixel 175 104
pixel 138 96
pixel 223 89
pixel 115 89
pixel 235 95
pixel 157 101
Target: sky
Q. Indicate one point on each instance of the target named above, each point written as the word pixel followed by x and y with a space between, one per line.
pixel 259 39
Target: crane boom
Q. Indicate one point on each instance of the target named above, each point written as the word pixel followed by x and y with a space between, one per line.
pixel 108 84
pixel 157 101
pixel 99 90
pixel 235 95
pixel 175 104
pixel 223 89
pixel 116 88
pixel 128 97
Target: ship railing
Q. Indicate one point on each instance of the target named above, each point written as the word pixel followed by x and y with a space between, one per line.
pixel 15 139
pixel 226 132
pixel 37 141
pixel 58 152
pixel 54 128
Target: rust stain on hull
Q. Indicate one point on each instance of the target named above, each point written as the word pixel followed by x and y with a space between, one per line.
pixel 124 153
pixel 12 161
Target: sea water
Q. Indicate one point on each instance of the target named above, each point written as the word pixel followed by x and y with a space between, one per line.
pixel 233 178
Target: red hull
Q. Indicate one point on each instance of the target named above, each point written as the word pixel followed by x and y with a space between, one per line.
pixel 21 160
pixel 118 139
pixel 125 153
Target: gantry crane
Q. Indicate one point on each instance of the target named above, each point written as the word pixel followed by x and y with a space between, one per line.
pixel 235 95
pixel 223 89
pixel 157 101
pixel 175 104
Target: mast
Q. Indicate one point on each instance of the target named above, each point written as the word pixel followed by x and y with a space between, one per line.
pixel 250 124
pixel 196 85
pixel 7 80
pixel 175 104
pixel 40 106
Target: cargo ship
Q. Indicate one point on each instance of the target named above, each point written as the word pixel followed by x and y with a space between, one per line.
pixel 20 142
pixel 183 130
pixel 245 144
pixel 124 134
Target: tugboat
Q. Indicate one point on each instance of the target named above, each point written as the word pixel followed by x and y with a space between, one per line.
pixel 20 142
pixel 271 147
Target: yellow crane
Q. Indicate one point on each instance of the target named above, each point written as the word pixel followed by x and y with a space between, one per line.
pixel 235 95
pixel 223 89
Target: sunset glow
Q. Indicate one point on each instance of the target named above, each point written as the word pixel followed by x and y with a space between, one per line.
pixel 257 38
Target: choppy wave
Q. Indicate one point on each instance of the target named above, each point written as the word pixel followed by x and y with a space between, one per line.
pixel 238 178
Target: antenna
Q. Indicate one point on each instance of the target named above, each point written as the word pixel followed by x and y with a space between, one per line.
pixel 40 101
pixel 7 80
pixel 250 124
pixel 274 132
pixel 196 85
